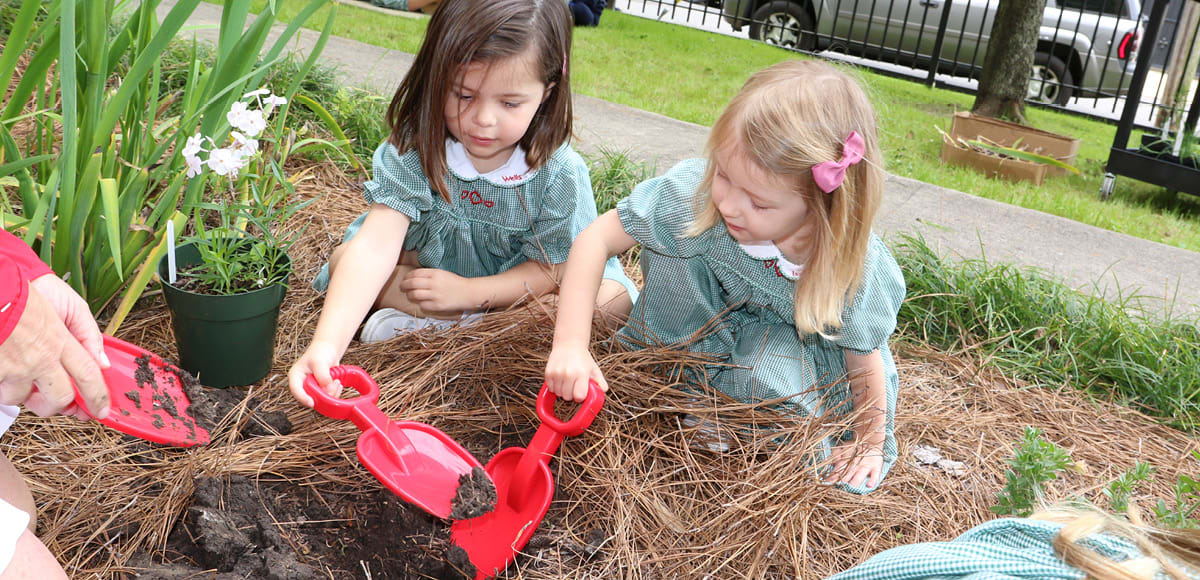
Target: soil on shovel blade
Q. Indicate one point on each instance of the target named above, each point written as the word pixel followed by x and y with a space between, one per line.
pixel 475 496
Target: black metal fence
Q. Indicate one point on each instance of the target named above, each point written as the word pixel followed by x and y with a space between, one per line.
pixel 1085 54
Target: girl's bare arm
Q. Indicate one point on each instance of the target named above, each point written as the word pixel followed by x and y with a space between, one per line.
pixel 364 267
pixel 570 364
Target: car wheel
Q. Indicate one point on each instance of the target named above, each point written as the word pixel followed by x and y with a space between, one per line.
pixel 785 24
pixel 1050 80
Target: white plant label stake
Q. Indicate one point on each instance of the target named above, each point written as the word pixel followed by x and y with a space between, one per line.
pixel 171 251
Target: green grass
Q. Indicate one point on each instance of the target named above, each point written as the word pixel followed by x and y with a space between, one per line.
pixel 1042 331
pixel 690 74
pixel 613 174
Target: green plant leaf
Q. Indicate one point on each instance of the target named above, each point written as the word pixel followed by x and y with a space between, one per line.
pixel 112 217
pixel 1024 155
pixel 137 285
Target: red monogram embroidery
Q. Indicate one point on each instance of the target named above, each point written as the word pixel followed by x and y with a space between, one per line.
pixel 773 264
pixel 477 199
pixel 512 177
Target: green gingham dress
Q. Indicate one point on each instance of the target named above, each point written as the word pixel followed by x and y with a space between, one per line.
pixel 690 281
pixel 494 221
pixel 1003 549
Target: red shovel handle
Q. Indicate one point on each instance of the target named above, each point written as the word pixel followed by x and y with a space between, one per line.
pixel 548 437
pixel 588 409
pixel 336 408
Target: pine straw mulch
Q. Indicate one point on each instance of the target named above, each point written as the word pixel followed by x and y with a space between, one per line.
pixel 666 505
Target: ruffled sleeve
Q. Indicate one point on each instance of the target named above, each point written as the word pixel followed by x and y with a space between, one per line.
pixel 871 317
pixel 567 207
pixel 660 210
pixel 399 182
pixel 18 265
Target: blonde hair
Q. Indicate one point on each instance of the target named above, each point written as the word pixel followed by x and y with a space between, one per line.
pixel 1171 551
pixel 786 119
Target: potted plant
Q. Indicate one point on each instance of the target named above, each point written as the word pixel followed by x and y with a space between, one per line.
pixel 1007 150
pixel 225 283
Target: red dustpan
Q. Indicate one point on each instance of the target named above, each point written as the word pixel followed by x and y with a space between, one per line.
pixel 416 461
pixel 146 397
pixel 524 487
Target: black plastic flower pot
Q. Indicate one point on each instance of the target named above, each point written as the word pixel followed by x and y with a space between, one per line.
pixel 224 340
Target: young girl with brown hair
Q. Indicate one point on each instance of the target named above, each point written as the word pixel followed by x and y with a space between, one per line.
pixel 476 195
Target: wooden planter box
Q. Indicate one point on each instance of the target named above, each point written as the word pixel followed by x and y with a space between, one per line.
pixel 966 126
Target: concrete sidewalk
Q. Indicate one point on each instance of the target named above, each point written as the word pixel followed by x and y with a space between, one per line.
pixel 957 224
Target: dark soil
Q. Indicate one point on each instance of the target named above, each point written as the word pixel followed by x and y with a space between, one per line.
pixel 278 531
pixel 187 281
pixel 210 406
pixel 476 495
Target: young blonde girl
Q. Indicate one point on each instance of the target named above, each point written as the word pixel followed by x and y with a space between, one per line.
pixel 763 253
pixel 1061 542
pixel 476 195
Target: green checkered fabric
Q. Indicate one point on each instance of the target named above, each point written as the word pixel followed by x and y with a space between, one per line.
pixel 690 281
pixel 1003 549
pixel 487 228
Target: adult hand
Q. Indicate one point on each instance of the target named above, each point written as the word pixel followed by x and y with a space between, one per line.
pixel 48 348
pixel 437 291
pixel 75 314
pixel 568 371
pixel 316 361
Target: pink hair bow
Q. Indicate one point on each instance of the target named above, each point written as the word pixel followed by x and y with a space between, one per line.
pixel 829 175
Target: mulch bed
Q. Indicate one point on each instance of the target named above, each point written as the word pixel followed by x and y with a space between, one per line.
pixel 639 495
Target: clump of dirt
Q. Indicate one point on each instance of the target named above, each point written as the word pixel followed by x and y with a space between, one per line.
pixel 476 495
pixel 210 406
pixel 281 531
pixel 230 528
pixel 459 562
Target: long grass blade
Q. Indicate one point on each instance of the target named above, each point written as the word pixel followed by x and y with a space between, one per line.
pixel 343 142
pixel 145 272
pixel 112 219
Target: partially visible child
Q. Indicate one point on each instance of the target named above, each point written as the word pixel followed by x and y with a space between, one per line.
pixel 1055 543
pixel 476 195
pixel 587 12
pixel 763 254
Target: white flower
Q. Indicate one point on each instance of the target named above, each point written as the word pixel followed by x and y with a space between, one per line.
pixel 243 144
pixel 226 161
pixel 257 123
pixel 194 165
pixel 256 93
pixel 273 101
pixel 243 119
pixel 193 145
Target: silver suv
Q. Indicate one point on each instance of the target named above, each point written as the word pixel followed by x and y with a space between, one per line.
pixel 1086 48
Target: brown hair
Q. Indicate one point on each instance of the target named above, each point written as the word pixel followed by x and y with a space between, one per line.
pixel 465 31
pixel 786 119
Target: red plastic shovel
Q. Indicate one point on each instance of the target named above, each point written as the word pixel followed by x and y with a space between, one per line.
pixel 416 461
pixel 146 397
pixel 524 487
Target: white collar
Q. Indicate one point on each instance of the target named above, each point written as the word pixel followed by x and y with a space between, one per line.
pixel 514 171
pixel 769 251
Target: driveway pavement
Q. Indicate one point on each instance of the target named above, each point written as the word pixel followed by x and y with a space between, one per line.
pixel 956 223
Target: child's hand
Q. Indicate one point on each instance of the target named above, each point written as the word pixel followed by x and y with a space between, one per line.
pixel 568 371
pixel 437 290
pixel 317 361
pixel 856 465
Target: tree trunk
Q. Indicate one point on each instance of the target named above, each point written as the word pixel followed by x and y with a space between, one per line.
pixel 1010 53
